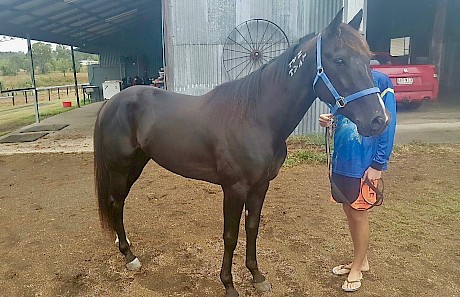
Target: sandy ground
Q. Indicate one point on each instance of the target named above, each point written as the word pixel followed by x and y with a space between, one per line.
pixel 53 246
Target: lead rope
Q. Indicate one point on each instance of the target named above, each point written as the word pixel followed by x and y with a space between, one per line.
pixel 328 136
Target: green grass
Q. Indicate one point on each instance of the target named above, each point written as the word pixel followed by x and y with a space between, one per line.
pixel 308 149
pixel 303 156
pixel 15 117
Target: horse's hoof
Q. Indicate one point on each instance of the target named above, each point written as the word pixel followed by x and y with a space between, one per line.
pixel 262 287
pixel 134 265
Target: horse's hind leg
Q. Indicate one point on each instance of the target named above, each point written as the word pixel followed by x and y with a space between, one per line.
pixel 121 182
pixel 253 207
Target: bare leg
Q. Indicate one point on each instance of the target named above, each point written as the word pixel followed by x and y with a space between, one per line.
pixel 234 197
pixel 358 222
pixel 253 210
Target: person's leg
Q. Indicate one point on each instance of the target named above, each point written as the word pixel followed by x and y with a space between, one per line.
pixel 358 222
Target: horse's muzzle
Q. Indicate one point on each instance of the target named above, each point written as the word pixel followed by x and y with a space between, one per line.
pixel 376 126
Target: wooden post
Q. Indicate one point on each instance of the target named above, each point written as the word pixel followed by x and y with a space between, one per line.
pixel 437 37
pixel 25 95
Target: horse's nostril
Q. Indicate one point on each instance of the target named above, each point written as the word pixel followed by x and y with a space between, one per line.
pixel 377 123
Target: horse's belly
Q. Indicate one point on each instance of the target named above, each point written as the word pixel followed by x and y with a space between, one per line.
pixel 183 156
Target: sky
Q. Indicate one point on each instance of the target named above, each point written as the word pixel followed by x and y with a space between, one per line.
pixel 15 45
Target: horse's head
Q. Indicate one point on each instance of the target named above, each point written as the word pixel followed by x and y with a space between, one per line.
pixel 344 80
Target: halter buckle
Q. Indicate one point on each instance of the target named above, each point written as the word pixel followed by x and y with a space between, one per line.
pixel 341 102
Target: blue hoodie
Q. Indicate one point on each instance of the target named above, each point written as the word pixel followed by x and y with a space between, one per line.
pixel 353 153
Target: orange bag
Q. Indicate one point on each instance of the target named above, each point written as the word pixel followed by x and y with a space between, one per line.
pixel 369 196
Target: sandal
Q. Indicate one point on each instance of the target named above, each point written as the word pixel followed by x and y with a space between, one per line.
pixel 352 286
pixel 343 269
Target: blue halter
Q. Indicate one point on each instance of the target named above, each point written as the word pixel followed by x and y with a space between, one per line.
pixel 340 101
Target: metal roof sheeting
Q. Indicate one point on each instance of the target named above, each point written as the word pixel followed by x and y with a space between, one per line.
pixel 82 23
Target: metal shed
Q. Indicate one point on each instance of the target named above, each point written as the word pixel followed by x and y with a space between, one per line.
pixel 196 32
pixel 187 37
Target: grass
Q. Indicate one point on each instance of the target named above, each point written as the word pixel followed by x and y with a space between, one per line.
pixel 308 149
pixel 23 80
pixel 13 117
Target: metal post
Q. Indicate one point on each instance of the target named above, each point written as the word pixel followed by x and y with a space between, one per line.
pixel 25 95
pixel 75 75
pixel 32 77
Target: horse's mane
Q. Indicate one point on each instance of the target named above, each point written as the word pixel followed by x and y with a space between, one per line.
pixel 233 100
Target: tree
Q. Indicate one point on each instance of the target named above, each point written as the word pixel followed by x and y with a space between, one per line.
pixel 62 52
pixel 42 54
pixel 62 65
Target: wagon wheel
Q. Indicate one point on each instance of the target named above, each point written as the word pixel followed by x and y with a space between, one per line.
pixel 252 44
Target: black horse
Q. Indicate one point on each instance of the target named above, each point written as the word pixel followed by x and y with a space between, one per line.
pixel 235 135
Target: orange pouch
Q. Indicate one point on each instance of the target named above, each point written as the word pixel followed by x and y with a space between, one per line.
pixel 367 197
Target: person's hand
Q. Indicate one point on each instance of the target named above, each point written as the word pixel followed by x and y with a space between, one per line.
pixel 325 119
pixel 372 174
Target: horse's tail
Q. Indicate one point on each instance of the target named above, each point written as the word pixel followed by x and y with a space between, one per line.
pixel 102 180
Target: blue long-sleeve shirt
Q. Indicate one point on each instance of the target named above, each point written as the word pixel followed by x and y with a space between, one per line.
pixel 353 153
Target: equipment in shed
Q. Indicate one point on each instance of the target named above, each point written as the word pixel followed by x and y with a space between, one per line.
pixel 110 88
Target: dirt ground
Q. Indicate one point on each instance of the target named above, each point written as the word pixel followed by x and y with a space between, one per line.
pixel 52 244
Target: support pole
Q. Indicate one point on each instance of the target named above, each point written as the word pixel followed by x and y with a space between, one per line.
pixel 75 76
pixel 437 40
pixel 32 77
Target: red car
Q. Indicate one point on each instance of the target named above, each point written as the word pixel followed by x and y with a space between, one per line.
pixel 413 84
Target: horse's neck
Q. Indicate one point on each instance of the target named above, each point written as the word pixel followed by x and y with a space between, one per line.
pixel 287 101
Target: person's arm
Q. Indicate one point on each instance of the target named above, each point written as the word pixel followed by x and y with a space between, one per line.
pixel 386 139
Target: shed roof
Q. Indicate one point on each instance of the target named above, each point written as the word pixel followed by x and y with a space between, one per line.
pixel 86 24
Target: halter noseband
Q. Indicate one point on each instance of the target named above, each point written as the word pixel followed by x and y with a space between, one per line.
pixel 340 101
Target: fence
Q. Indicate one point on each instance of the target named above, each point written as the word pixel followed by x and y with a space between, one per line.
pixel 27 94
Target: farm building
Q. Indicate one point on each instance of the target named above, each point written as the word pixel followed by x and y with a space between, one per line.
pixel 195 42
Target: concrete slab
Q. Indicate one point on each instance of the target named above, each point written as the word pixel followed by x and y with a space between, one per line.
pixel 23 137
pixel 38 128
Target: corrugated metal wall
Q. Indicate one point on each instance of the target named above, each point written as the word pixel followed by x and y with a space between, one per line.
pixel 195 32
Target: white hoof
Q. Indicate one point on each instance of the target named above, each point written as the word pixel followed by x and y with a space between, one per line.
pixel 264 286
pixel 117 240
pixel 134 265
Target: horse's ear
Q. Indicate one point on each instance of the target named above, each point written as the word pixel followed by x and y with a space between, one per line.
pixel 356 21
pixel 306 37
pixel 334 25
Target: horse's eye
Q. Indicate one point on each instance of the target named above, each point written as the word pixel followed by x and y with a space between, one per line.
pixel 339 62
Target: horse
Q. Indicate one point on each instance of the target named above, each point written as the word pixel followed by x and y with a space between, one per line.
pixel 234 135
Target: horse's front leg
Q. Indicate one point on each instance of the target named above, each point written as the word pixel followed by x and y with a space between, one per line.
pixel 253 210
pixel 234 197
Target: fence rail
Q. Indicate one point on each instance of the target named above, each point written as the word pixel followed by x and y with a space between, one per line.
pixel 14 93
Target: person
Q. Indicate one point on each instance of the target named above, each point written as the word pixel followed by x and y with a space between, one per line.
pixel 354 158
